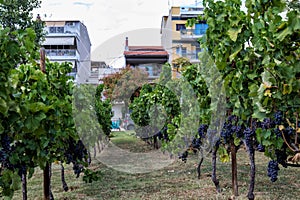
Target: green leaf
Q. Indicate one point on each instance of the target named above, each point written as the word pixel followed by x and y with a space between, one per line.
pixel 3 106
pixel 32 122
pixel 224 158
pixel 252 76
pixel 37 106
pixel 1 129
pixel 233 33
pixel 287 89
pixel 278 143
pixel 236 50
pixel 15 181
pixel 258 114
pixel 259 135
pixel 284 33
pixel 266 143
pixel 237 141
pixel 266 60
pixel 253 90
pixel 267 134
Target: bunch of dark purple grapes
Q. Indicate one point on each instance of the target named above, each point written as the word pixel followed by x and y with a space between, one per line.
pixel 270 123
pixel 202 130
pixel 5 152
pixel 76 153
pixel 230 128
pixel 273 170
pixel 196 142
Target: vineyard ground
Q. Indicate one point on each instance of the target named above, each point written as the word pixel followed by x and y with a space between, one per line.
pixel 176 181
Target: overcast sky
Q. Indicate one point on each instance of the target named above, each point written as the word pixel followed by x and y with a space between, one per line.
pixel 107 20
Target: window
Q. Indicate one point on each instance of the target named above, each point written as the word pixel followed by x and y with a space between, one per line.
pixel 70 23
pixel 180 27
pixel 178 50
pixel 200 29
pixel 198 50
pixel 59 29
pixel 56 29
pixel 183 51
pixel 52 29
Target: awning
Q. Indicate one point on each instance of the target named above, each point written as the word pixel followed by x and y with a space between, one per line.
pixel 146 60
pixel 59 41
pixel 55 23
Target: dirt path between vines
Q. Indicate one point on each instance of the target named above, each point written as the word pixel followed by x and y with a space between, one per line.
pixel 167 178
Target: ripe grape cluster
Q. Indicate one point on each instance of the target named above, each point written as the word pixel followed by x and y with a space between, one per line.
pixel 75 153
pixel 5 152
pixel 230 128
pixel 289 131
pixel 281 157
pixel 260 148
pixel 184 156
pixel 277 132
pixel 278 118
pixel 162 134
pixel 267 123
pixel 196 142
pixel 202 130
pixel 273 170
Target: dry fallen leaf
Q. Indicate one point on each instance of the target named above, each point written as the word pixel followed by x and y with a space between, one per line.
pixel 296 158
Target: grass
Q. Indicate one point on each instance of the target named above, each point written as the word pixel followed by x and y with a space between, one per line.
pixel 176 181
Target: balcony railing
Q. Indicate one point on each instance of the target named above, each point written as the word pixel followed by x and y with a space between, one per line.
pixel 191 55
pixel 192 33
pixel 61 52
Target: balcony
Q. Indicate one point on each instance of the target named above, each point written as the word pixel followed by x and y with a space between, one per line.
pixel 191 55
pixel 61 53
pixel 62 31
pixel 190 12
pixel 192 34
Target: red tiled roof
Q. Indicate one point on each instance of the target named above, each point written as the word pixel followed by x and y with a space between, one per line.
pixel 146 50
pixel 145 53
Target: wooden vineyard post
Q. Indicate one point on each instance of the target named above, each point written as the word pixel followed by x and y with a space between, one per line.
pixel 234 169
pixel 47 171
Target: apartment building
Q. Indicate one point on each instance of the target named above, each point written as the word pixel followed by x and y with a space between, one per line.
pixel 148 58
pixel 68 41
pixel 179 40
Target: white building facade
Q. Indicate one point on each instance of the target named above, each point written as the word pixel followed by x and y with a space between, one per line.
pixel 68 41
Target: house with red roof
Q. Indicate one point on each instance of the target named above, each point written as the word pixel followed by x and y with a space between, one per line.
pixel 148 58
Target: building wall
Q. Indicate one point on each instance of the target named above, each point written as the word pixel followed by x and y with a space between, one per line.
pixel 84 48
pixel 80 51
pixel 177 43
pixel 117 111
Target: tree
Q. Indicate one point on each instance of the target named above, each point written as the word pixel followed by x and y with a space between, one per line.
pixel 103 110
pixel 122 85
pixel 180 63
pixel 17 15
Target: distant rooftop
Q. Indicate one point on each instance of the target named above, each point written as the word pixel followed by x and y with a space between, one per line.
pixel 146 50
